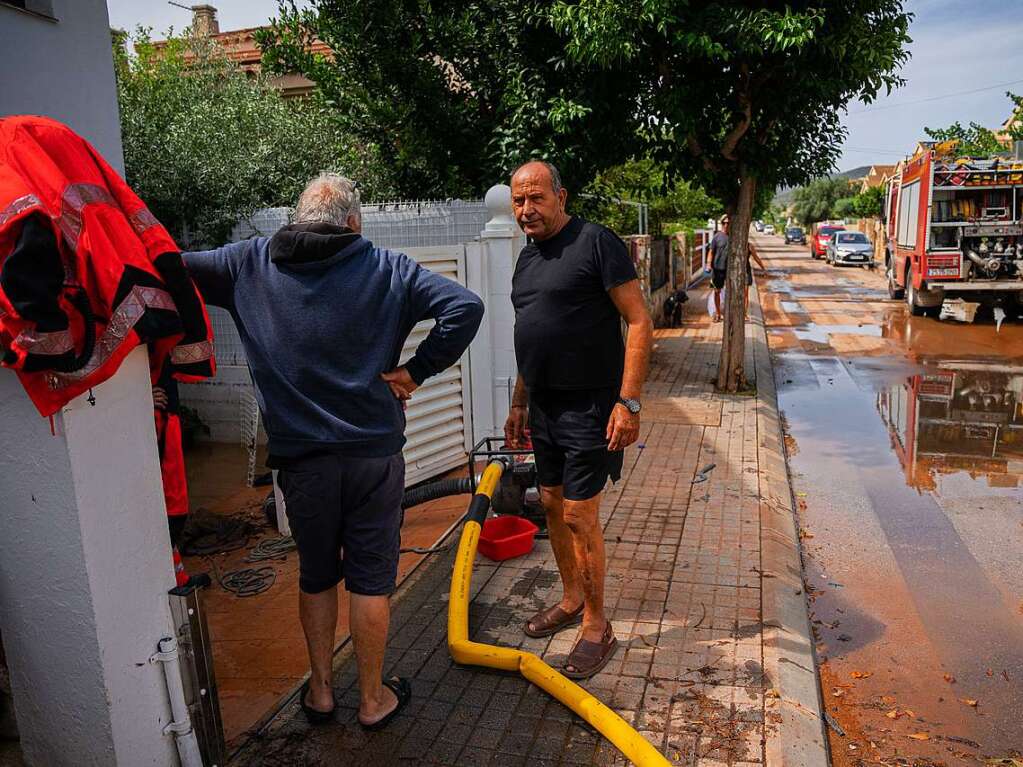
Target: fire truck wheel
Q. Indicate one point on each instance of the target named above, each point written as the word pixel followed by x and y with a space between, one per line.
pixel 915 308
pixel 894 291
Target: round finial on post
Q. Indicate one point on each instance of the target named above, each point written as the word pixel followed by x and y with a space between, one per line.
pixel 499 206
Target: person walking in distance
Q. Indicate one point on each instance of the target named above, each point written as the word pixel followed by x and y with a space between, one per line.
pixel 578 392
pixel 716 261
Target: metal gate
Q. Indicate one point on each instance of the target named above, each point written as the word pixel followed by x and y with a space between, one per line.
pixel 438 417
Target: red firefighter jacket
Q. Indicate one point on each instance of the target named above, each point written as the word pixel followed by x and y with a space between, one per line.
pixel 86 272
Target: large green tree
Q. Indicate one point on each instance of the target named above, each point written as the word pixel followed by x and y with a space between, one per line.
pixel 737 95
pixel 206 145
pixel 456 92
pixel 818 200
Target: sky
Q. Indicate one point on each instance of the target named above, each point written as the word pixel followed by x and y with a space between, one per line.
pixel 958 45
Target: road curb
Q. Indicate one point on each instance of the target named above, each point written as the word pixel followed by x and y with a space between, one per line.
pixel 794 726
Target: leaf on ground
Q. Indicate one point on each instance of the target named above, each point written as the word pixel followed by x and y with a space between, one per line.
pixel 909 712
pixel 1008 761
pixel 861 674
pixel 950 679
pixel 837 693
pixel 919 736
pixel 893 714
pixel 990 672
pixel 969 702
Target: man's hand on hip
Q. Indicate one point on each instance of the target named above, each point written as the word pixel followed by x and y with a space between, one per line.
pixel 515 427
pixel 622 428
pixel 401 383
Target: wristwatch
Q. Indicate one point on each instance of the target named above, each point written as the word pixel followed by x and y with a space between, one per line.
pixel 633 405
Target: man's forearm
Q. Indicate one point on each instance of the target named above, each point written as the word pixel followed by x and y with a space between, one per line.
pixel 637 358
pixel 520 397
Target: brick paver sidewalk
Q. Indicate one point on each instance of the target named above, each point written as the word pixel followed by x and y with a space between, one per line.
pixel 683 591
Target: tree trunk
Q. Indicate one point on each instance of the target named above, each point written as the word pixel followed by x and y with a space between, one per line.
pixel 731 375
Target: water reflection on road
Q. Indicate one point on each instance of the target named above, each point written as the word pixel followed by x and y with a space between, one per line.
pixel 906 447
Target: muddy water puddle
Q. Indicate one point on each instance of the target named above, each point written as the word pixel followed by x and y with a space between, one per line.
pixel 908 469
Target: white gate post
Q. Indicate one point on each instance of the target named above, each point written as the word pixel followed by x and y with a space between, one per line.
pixel 84 572
pixel 492 354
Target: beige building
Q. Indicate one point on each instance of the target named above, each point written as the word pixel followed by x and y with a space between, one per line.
pixel 241 48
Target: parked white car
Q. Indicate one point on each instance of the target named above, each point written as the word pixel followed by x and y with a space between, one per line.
pixel 769 229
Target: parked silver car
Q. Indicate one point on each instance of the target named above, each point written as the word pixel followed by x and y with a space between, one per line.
pixel 850 248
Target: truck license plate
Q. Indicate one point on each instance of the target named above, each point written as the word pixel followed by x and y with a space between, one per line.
pixel 943 272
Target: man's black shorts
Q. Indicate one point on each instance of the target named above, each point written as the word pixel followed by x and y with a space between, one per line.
pixel 345 517
pixel 718 278
pixel 569 432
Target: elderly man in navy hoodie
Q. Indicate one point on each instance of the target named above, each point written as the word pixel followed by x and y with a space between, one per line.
pixel 323 315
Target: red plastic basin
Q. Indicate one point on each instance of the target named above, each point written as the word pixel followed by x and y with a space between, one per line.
pixel 506 537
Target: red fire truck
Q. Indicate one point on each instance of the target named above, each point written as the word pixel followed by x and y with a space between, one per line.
pixel 955 230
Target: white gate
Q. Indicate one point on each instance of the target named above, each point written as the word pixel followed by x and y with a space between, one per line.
pixel 438 417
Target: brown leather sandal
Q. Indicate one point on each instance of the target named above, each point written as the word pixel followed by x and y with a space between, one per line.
pixel 587 658
pixel 552 620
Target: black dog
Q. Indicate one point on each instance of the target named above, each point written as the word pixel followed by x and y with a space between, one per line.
pixel 673 308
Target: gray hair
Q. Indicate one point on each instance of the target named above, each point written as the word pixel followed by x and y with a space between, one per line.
pixel 330 198
pixel 555 175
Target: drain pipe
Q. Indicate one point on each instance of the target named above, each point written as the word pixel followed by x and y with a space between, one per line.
pixel 634 746
pixel 180 725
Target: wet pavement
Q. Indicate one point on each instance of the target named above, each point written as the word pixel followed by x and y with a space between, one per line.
pixel 905 439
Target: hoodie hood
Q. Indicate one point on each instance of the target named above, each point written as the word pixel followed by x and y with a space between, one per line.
pixel 310 243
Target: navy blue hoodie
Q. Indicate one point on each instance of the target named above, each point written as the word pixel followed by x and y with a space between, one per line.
pixel 321 314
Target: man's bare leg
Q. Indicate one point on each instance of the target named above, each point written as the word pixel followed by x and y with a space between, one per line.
pixel 318 613
pixel 369 618
pixel 582 518
pixel 564 548
pixel 717 301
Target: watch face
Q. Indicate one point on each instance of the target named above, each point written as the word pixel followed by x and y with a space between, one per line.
pixel 632 405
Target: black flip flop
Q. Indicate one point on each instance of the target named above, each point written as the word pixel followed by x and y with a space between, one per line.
pixel 402 690
pixel 314 715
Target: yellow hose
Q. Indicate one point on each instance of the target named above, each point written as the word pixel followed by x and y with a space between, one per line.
pixel 633 745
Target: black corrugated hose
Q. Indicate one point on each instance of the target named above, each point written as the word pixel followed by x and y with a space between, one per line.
pixel 431 491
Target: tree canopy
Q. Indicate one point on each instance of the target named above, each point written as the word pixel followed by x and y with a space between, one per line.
pixel 818 200
pixel 736 95
pixel 457 92
pixel 205 145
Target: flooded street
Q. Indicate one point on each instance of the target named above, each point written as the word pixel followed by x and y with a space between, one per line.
pixel 905 441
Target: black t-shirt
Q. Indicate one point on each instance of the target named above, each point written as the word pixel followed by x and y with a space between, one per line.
pixel 568 331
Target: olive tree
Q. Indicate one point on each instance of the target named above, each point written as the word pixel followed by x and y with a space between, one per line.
pixel 205 144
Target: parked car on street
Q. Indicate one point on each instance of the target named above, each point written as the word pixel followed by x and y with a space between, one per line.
pixel 821 238
pixel 850 248
pixel 758 225
pixel 795 234
pixel 769 229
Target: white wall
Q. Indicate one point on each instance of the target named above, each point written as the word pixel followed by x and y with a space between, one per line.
pixel 84 573
pixel 62 69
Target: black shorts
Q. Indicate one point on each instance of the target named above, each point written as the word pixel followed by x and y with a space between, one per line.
pixel 718 279
pixel 345 517
pixel 569 432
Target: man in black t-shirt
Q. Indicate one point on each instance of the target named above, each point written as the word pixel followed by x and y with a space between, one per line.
pixel 716 261
pixel 578 391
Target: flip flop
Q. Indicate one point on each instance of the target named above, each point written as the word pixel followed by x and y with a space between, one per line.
pixel 587 658
pixel 402 690
pixel 552 620
pixel 314 715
